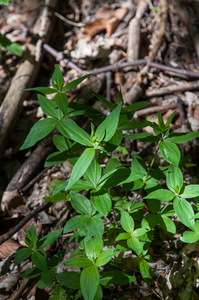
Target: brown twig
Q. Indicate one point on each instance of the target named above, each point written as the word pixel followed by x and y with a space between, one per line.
pixel 33 213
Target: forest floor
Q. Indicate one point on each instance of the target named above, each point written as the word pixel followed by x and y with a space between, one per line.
pixel 149 50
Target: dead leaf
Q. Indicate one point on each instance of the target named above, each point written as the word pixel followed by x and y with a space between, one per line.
pixel 8 247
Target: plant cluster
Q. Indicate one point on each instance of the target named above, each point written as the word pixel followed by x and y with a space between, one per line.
pixel 109 189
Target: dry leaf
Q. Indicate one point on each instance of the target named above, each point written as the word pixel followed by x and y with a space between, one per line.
pixel 8 247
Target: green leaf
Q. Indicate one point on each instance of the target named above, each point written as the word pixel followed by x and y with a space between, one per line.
pixel 79 262
pixel 31 273
pixel 61 100
pixel 145 271
pixel 95 226
pixel 39 260
pixel 93 173
pixel 185 212
pixel 98 294
pixel 132 125
pixel 75 108
pixel 56 259
pixel 49 107
pixel 69 279
pixel 108 127
pixel 115 177
pixel 139 232
pixel 89 281
pixel 43 90
pixel 189 237
pixel 74 83
pixel 61 143
pixel 134 106
pixel 115 141
pixel 101 201
pixel 118 278
pixel 81 204
pixel 59 157
pixel 190 191
pixel 170 119
pixel 38 132
pixel 75 223
pixel 55 198
pixel 154 205
pixel 14 48
pixel 49 238
pixel 70 129
pixel 78 186
pixel 112 164
pixel 150 221
pixel 119 98
pixel 143 136
pixel 138 164
pixel 170 152
pixel 81 166
pixel 31 237
pixel 182 137
pixel 123 236
pixel 94 247
pixel 22 254
pixel 174 179
pixel 160 121
pixel 161 195
pixel 105 102
pixel 134 244
pixel 167 224
pixel 5 2
pixel 48 277
pixel 104 257
pixel 57 79
pixel 127 222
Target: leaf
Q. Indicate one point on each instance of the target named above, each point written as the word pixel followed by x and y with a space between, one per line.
pixel 115 141
pixel 94 247
pixel 167 224
pixel 112 164
pixel 139 232
pixel 48 277
pixel 74 132
pixel 81 166
pixel 95 226
pixel 118 277
pixel 104 101
pixel 56 259
pixel 22 254
pixel 150 221
pixel 98 294
pixel 81 204
pixel 74 83
pixel 134 106
pixel 154 205
pixel 114 177
pixel 127 222
pixel 123 236
pixel 145 271
pixel 119 98
pixel 185 212
pixel 104 257
pixel 75 223
pixel 89 281
pixel 170 152
pixel 190 191
pixel 160 121
pixel 134 244
pixel 61 143
pixel 31 273
pixel 182 137
pixel 143 136
pixel 69 279
pixel 138 164
pixel 161 195
pixel 49 238
pixel 59 157
pixel 55 198
pixel 49 107
pixel 39 260
pixel 189 237
pixel 170 119
pixel 57 79
pixel 79 262
pixel 61 100
pixel 5 2
pixel 132 125
pixel 174 179
pixel 101 201
pixel 93 173
pixel 38 132
pixel 107 128
pixel 43 90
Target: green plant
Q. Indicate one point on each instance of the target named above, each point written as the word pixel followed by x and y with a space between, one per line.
pixel 14 48
pixel 108 189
